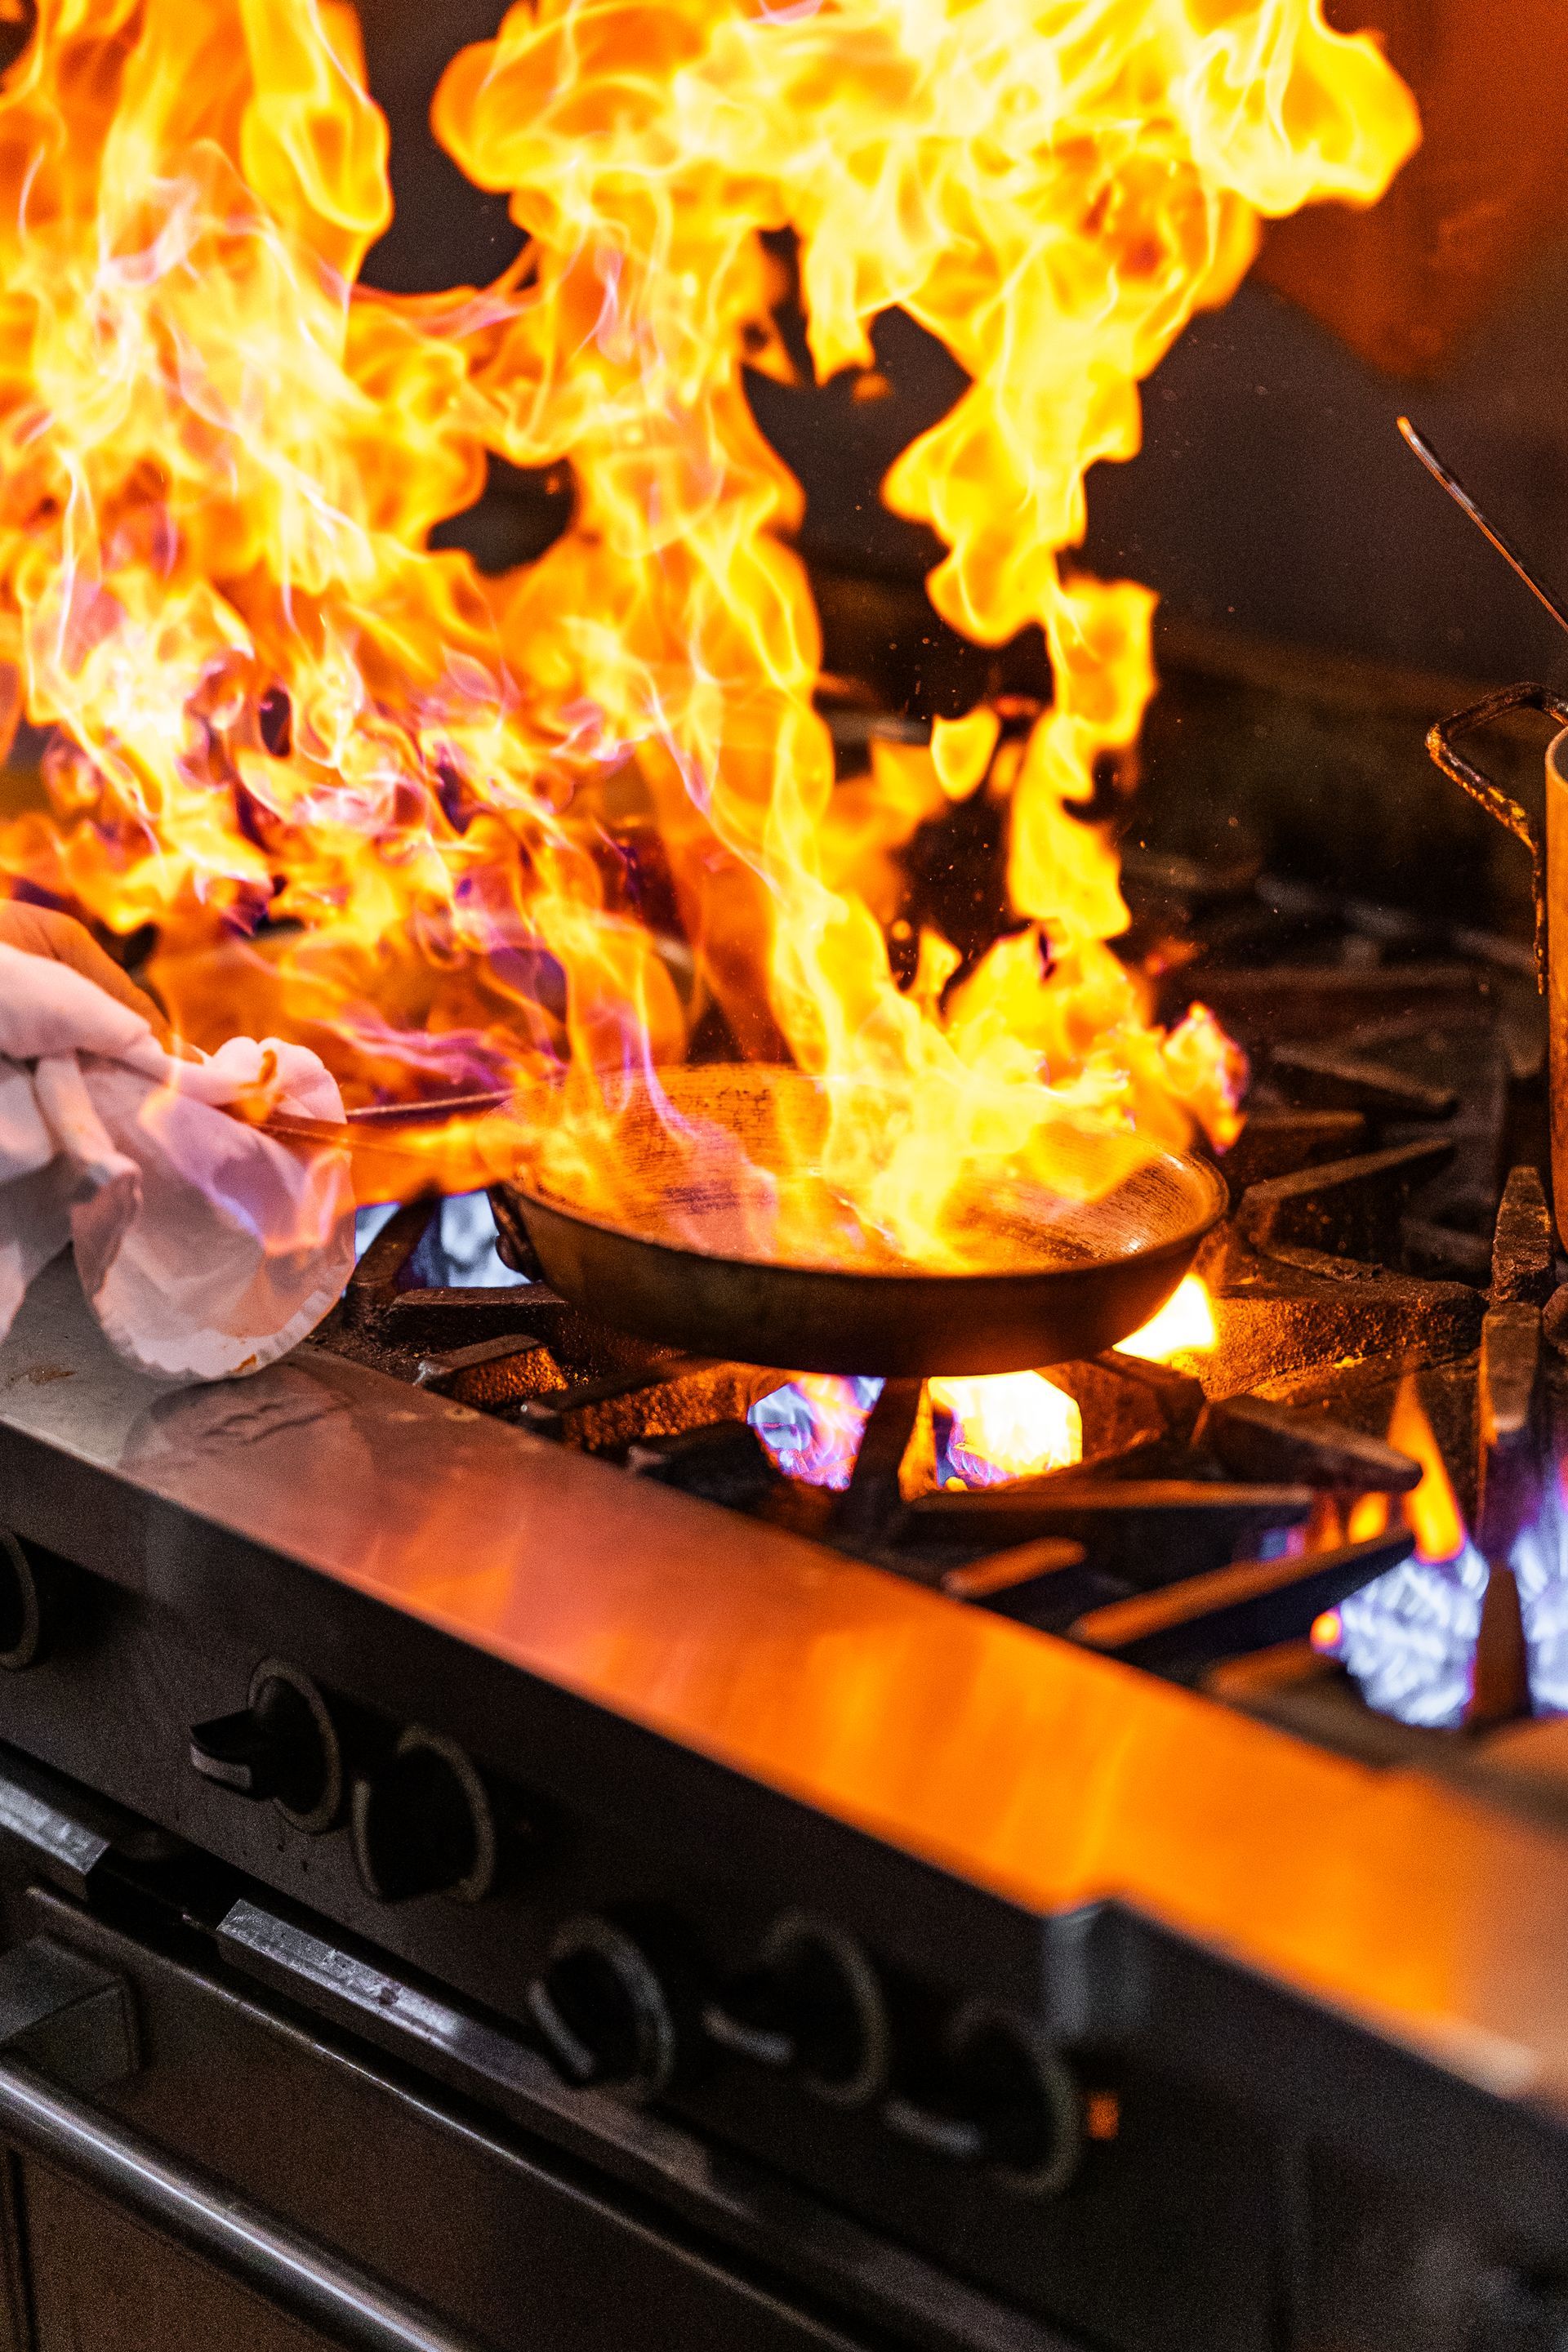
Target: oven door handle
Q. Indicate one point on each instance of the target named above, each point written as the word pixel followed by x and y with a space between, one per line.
pixel 76 2018
pixel 1440 748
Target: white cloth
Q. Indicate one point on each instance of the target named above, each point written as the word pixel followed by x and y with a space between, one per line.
pixel 206 1248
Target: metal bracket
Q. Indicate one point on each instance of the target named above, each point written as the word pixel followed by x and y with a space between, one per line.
pixel 68 2028
pixel 64 1834
pixel 1441 749
pixel 66 2015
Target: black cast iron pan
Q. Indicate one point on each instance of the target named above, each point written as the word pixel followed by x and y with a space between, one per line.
pixel 682 1261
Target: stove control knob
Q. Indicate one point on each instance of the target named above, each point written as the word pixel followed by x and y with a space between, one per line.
pixel 282 1744
pixel 424 1823
pixel 39 1594
pixel 604 2009
pixel 810 2006
pixel 1004 2101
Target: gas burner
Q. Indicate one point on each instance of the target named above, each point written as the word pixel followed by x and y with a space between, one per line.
pixel 965 1895
pixel 1239 1519
pixel 884 1877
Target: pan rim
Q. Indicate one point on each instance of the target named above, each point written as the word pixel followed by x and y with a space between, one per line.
pixel 1189 1240
pixel 1208 1211
pixel 830 1320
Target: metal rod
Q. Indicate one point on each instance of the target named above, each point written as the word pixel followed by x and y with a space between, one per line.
pixel 1461 498
pixel 201 2213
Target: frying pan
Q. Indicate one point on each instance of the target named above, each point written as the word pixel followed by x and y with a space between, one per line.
pixel 680 1266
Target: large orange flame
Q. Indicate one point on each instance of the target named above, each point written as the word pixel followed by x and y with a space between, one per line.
pixel 372 799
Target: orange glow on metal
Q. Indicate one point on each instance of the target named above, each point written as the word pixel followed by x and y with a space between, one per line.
pixel 1014 1425
pixel 1035 1770
pixel 946 1731
pixel 1102 2115
pixel 1184 1326
pixel 415 816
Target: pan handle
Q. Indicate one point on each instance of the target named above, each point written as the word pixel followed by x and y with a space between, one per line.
pixel 1440 747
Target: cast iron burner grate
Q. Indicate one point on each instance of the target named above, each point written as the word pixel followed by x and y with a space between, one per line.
pixel 1389 1233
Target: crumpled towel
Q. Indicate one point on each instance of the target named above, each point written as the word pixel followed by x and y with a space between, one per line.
pixel 206 1248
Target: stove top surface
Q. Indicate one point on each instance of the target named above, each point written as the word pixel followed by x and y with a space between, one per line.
pixel 989 1730
pixel 1043 1775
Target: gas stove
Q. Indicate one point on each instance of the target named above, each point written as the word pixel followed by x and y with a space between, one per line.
pixel 1119 1907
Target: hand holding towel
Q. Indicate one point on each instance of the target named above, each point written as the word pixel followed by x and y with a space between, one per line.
pixel 205 1247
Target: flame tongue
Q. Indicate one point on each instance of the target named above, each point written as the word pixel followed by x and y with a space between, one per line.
pixel 573 813
pixel 1012 1426
pixel 985 1432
